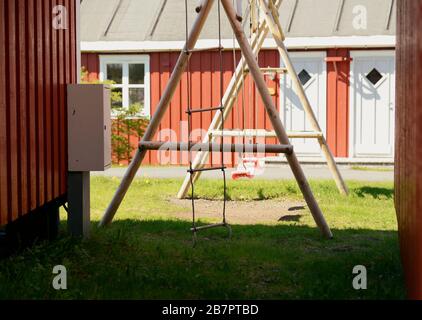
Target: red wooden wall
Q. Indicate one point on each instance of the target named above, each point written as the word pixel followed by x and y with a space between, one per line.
pixel 338 101
pixel 91 63
pixel 205 79
pixel 36 63
pixel 205 76
pixel 409 140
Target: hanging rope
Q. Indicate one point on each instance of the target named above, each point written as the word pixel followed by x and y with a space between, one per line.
pixel 222 108
pixel 190 112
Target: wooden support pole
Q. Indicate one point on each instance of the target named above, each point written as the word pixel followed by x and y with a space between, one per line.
pixel 275 118
pixel 228 102
pixel 161 109
pixel 275 27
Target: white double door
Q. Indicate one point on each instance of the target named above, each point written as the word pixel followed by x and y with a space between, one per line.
pixel 312 70
pixel 372 104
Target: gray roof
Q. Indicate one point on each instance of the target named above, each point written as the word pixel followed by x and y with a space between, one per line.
pixel 164 20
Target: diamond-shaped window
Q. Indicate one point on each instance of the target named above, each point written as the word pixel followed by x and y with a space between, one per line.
pixel 374 76
pixel 304 77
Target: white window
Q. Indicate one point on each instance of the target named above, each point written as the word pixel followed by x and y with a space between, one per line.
pixel 131 77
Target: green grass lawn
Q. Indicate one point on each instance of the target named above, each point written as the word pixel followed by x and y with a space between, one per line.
pixel 148 254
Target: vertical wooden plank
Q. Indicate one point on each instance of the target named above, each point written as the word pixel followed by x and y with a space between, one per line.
pixel 63 70
pixel 261 115
pixel 21 84
pixel 271 60
pixel 154 93
pixel 155 65
pixel 215 156
pixel 4 206
pixel 227 76
pixel 40 107
pixel 74 73
pixel 12 111
pixel 55 105
pixel 184 117
pixel 165 76
pixel 48 100
pixel 32 116
pixel 206 90
pixel 196 101
pixel 237 109
pixel 196 90
pixel 176 110
pixel 344 106
pixel 332 108
pixel 338 80
pixel 94 66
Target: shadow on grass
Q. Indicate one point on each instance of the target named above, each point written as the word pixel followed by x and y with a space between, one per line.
pixel 155 260
pixel 376 193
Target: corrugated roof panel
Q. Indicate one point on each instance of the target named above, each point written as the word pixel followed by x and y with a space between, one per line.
pixel 133 20
pixel 313 18
pixel 377 14
pixel 95 17
pixel 172 22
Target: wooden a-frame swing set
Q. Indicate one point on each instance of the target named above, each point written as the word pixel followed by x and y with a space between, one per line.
pixel 269 22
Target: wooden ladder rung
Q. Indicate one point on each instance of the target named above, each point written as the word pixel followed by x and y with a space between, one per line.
pixel 204 49
pixel 210 226
pixel 274 70
pixel 271 70
pixel 207 169
pixel 199 110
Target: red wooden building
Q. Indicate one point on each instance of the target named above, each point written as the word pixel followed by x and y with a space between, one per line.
pixel 344 52
pixel 38 58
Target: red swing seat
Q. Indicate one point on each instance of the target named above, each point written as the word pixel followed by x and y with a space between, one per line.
pixel 246 169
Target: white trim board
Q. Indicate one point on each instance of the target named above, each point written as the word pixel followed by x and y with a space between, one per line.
pixel 308 43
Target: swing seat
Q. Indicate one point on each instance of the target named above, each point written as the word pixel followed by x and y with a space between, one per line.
pixel 246 169
pixel 239 174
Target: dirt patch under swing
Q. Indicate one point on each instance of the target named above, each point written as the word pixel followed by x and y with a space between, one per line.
pixel 243 212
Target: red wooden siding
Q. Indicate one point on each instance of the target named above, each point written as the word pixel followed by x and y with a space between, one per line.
pixel 408 141
pixel 36 63
pixel 91 62
pixel 338 102
pixel 205 77
pixel 205 92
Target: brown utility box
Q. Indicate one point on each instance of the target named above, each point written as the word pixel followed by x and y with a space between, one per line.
pixel 89 127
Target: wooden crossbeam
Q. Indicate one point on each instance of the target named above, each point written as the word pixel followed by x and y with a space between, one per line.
pixel 259 133
pixel 216 147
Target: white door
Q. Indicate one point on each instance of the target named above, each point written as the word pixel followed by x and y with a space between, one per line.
pixel 372 104
pixel 312 70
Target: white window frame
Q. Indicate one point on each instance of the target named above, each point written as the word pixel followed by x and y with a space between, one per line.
pixel 125 60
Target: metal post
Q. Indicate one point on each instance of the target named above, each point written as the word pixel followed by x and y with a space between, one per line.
pixel 79 221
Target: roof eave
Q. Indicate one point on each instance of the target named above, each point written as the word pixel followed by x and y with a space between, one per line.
pixel 299 43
